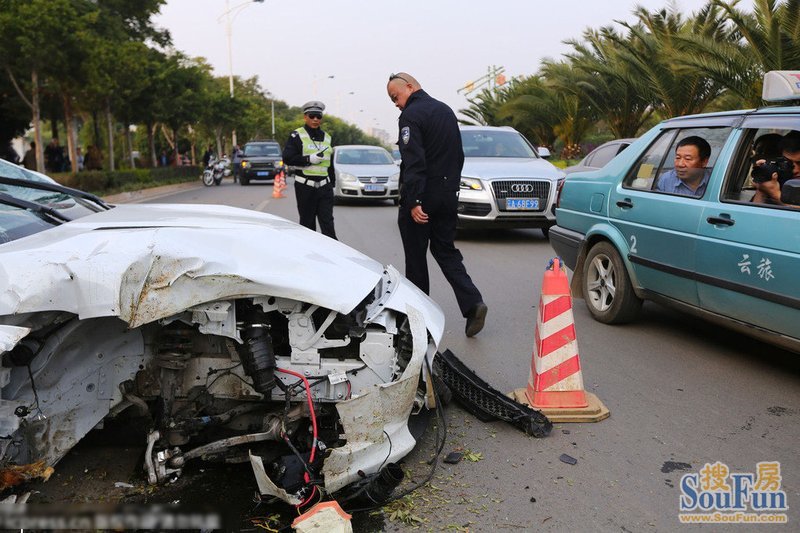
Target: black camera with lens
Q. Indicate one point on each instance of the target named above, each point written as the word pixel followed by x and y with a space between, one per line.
pixel 779 165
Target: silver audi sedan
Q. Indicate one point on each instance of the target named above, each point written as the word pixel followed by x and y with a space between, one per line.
pixel 506 182
pixel 365 172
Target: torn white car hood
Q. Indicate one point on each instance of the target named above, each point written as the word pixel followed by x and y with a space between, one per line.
pixel 146 262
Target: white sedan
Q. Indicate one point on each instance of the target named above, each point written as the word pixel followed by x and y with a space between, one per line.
pixel 365 173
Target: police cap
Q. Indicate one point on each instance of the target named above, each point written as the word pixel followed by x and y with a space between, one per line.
pixel 313 107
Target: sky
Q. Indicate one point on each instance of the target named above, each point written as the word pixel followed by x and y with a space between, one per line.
pixel 341 52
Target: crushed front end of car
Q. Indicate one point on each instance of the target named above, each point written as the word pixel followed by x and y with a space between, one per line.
pixel 297 354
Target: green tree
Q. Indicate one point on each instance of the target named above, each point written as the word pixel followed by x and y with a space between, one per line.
pixel 768 38
pixel 654 50
pixel 607 82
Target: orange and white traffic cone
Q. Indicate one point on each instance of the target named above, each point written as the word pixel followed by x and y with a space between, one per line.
pixel 555 386
pixel 278 185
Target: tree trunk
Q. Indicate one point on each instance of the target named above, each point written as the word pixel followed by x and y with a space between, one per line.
pixel 98 141
pixel 218 138
pixel 151 144
pixel 177 155
pixel 37 121
pixel 69 122
pixel 110 124
pixel 130 144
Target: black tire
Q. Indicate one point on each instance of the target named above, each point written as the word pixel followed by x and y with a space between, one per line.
pixel 208 178
pixel 396 201
pixel 607 287
pixel 244 181
pixel 546 232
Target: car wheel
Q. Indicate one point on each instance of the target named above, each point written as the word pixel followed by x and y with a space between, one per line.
pixel 607 287
pixel 546 232
pixel 244 181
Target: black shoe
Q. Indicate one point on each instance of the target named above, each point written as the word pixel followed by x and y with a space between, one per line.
pixel 475 319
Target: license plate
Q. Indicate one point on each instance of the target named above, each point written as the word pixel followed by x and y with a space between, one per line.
pixel 262 173
pixel 370 187
pixel 522 204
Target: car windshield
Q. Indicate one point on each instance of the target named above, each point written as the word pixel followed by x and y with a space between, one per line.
pixel 495 143
pixel 364 157
pixel 31 202
pixel 262 150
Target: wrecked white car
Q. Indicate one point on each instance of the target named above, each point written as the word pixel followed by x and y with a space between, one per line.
pixel 241 335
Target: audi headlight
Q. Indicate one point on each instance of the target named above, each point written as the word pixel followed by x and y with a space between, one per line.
pixel 471 184
pixel 347 178
pixel 394 178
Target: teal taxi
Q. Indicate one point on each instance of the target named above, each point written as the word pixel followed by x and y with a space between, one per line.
pixel 701 213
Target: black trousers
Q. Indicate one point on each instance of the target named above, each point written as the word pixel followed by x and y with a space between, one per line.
pixel 315 204
pixel 439 233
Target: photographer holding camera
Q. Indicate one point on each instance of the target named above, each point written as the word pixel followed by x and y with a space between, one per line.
pixel 770 174
pixel 310 148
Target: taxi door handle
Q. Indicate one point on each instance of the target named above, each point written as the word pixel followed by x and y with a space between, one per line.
pixel 724 220
pixel 625 204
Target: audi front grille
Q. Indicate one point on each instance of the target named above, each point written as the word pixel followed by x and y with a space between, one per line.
pixel 521 189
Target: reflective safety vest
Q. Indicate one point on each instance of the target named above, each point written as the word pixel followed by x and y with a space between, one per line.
pixel 311 146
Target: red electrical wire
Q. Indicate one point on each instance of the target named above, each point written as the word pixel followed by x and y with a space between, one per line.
pixel 306 477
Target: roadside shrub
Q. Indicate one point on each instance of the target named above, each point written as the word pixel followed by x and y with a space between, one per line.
pixel 104 182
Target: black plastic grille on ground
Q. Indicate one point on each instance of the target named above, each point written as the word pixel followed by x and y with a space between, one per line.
pixel 483 401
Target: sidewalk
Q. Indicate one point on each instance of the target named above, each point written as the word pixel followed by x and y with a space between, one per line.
pixel 133 197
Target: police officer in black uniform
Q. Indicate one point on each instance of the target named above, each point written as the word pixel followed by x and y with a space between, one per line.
pixel 430 174
pixel 310 148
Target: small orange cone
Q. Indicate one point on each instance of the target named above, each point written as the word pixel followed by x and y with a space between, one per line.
pixel 278 185
pixel 555 386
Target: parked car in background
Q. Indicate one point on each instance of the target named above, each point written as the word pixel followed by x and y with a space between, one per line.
pixel 505 183
pixel 719 252
pixel 600 156
pixel 396 156
pixel 365 172
pixel 261 160
pixel 219 327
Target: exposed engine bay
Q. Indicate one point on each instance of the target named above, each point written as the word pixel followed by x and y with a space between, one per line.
pixel 309 396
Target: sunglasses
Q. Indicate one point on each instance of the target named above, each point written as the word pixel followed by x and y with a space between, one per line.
pixel 317 116
pixel 397 77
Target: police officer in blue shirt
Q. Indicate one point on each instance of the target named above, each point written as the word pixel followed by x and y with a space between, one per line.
pixel 430 174
pixel 310 148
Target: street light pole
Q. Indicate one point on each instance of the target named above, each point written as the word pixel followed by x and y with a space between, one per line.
pixel 229 33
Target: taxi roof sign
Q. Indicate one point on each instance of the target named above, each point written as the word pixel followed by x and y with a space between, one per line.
pixel 781 85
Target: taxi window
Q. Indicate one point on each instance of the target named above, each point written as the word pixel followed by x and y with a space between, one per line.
pixel 679 162
pixel 760 149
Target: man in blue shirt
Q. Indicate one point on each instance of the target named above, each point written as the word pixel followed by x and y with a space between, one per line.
pixel 690 175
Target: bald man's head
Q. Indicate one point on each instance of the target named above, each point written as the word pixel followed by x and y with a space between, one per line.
pixel 400 87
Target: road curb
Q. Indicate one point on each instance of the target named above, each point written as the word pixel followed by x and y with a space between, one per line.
pixel 132 197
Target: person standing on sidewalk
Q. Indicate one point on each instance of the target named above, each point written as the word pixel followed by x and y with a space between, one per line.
pixel 430 175
pixel 310 148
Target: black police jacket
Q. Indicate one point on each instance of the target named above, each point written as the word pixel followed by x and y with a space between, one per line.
pixel 430 147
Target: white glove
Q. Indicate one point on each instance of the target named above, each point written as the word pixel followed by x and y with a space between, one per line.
pixel 314 159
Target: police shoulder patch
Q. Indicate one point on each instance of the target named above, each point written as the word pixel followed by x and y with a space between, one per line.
pixel 405 134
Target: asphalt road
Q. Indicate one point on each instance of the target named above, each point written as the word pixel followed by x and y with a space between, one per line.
pixel 682 393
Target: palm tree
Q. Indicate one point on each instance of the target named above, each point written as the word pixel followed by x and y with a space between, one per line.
pixel 766 39
pixel 655 52
pixel 608 84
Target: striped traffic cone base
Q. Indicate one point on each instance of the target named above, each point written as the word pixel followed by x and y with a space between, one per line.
pixel 594 411
pixel 555 386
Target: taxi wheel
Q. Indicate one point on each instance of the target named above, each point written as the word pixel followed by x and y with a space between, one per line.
pixel 607 287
